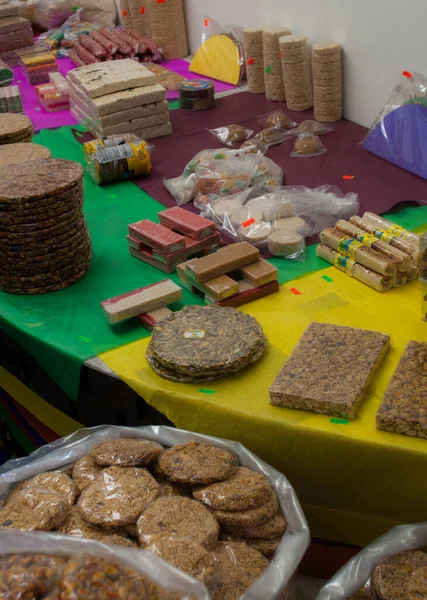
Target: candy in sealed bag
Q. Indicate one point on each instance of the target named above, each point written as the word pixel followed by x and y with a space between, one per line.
pixel 276 119
pixel 306 145
pixel 224 177
pixel 182 188
pixel 267 173
pixel 272 136
pixel 116 159
pixel 313 127
pixel 231 135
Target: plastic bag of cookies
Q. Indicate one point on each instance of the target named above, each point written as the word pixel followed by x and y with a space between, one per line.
pixel 232 135
pixel 49 566
pixel 205 505
pixel 392 567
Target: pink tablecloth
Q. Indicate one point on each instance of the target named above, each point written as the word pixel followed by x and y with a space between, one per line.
pixel 41 118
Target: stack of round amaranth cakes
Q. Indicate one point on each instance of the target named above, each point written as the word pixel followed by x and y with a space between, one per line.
pixel 273 76
pixel 11 154
pixel 253 45
pixel 296 72
pixel 203 343
pixel 327 81
pixel 15 128
pixel 44 240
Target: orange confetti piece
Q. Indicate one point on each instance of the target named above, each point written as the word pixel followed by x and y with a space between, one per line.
pixel 125 12
pixel 251 61
pixel 407 74
pixel 249 222
pixel 295 291
pixel 348 176
pixel 205 22
pixel 142 11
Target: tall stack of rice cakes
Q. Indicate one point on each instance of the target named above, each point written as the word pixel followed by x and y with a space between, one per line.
pixel 192 504
pixel 44 240
pixel 204 343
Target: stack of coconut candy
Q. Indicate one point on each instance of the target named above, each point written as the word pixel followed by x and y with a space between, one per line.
pixel 119 97
pixel 373 250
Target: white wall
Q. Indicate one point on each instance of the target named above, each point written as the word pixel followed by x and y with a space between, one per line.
pixel 380 38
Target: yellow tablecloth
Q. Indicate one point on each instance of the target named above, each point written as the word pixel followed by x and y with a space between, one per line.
pixel 354 481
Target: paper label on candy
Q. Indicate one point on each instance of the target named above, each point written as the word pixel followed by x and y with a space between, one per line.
pixel 399 231
pixel 384 236
pixel 367 239
pixel 192 334
pixel 343 263
pixel 348 246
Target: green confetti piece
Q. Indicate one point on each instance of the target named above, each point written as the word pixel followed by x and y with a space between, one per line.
pixel 85 339
pixel 206 391
pixel 339 421
pixel 268 69
pixel 326 278
pixel 113 196
pixel 37 108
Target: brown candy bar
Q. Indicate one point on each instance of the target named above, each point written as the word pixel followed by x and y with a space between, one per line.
pixel 259 273
pixel 234 256
pixel 218 288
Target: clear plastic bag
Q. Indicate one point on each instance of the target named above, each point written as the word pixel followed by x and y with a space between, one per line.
pixel 65 564
pixel 307 145
pixel 313 127
pixel 220 55
pixel 231 135
pixel 271 136
pixel 67 451
pixel 51 14
pixel 224 178
pixel 267 172
pixel 117 158
pixel 399 132
pixel 276 119
pixel 356 573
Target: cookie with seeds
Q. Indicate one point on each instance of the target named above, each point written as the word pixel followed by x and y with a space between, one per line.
pixel 196 463
pixel 75 525
pixel 180 518
pixel 125 452
pixel 272 528
pixel 34 509
pixel 53 481
pixel 245 489
pixel 118 496
pixel 85 471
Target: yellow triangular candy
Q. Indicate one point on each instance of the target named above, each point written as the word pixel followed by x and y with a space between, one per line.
pixel 218 58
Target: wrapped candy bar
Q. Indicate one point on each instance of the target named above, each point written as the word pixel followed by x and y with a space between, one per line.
pixel 232 134
pixel 353 269
pixel 371 241
pixel 113 160
pixel 411 238
pixel 355 250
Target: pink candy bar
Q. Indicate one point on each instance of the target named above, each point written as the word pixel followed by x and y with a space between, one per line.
pixel 141 301
pixel 191 247
pixel 187 223
pixel 149 320
pixel 161 238
pixel 148 258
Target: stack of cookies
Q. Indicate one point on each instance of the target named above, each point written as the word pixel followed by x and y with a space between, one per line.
pixel 327 81
pixel 296 72
pixel 168 27
pixel 119 97
pixel 44 241
pixel 273 75
pixel 176 502
pixel 253 45
pixel 15 128
pixel 11 154
pixel 204 343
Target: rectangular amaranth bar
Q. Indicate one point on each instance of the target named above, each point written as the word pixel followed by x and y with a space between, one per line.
pixel 218 288
pixel 157 236
pixel 8 24
pixel 224 260
pixel 247 293
pixel 147 133
pixel 329 370
pixel 259 273
pixel 404 406
pixel 134 125
pixel 187 223
pixel 141 301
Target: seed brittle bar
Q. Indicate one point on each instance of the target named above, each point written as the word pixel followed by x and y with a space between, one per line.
pixel 403 407
pixel 329 370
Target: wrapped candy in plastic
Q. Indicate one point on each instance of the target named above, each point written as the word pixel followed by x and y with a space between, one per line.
pixel 116 159
pixel 306 145
pixel 231 135
pixel 224 177
pixel 276 119
pixel 393 566
pixel 267 173
pixel 313 127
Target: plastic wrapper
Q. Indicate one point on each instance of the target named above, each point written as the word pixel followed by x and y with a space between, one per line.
pixel 117 158
pixel 267 173
pixel 254 146
pixel 224 178
pixel 220 55
pixel 51 14
pixel 410 238
pixel 276 119
pixel 65 452
pixel 47 566
pixel 357 251
pixel 271 136
pixel 389 238
pixel 402 409
pixel 313 127
pixel 353 269
pixel 399 132
pixel 307 145
pixel 401 572
pixel 371 241
pixel 287 244
pixel 183 189
pixel 232 135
